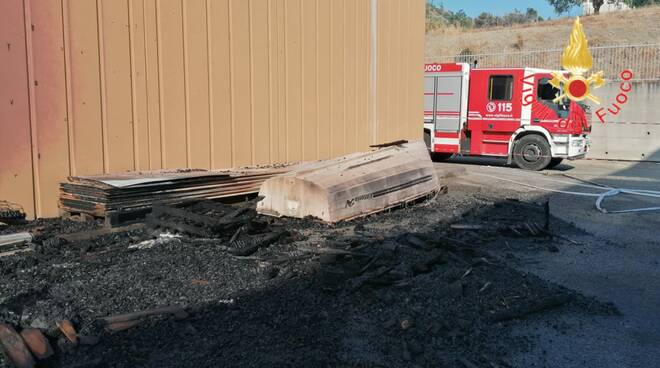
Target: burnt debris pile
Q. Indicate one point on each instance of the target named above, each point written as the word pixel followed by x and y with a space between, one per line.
pixel 211 284
pixel 236 226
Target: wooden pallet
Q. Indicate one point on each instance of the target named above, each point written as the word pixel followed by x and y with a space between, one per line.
pixel 110 219
pixel 123 198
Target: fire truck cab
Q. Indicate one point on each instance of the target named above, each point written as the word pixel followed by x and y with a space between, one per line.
pixel 503 112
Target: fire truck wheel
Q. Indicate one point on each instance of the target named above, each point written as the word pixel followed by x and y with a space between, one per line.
pixel 555 162
pixel 532 152
pixel 439 156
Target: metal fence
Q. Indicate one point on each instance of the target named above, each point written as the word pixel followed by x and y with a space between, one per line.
pixel 642 60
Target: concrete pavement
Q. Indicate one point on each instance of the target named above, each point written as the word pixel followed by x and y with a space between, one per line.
pixel 618 260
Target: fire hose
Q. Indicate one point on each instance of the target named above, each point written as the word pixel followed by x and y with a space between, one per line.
pixel 600 197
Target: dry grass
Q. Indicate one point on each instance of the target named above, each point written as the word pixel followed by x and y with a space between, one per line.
pixel 638 26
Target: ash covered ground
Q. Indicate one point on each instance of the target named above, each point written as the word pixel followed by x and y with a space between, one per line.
pixel 397 289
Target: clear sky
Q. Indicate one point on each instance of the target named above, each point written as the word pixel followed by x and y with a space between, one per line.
pixel 498 7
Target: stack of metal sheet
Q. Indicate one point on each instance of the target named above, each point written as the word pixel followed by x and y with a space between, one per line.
pixel 132 194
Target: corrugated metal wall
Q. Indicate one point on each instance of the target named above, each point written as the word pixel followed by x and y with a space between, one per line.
pixel 114 85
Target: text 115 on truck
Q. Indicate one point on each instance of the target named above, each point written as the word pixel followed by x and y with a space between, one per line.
pixel 502 112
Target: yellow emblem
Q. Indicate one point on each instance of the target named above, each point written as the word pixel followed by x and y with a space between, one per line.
pixel 577 60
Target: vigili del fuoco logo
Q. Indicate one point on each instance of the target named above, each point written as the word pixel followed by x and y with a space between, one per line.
pixel 577 60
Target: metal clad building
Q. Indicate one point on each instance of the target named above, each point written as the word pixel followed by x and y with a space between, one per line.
pixel 99 86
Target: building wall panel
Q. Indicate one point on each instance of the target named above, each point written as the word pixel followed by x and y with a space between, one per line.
pixel 385 38
pixel 310 118
pixel 221 84
pixel 281 80
pixel 85 112
pixel 139 100
pixel 197 84
pixel 364 75
pixel 16 178
pixel 152 83
pixel 350 80
pixel 324 28
pixel 293 45
pixel 108 85
pixel 273 85
pixel 174 126
pixel 260 82
pixel 241 91
pixel 337 77
pixel 50 101
pixel 117 89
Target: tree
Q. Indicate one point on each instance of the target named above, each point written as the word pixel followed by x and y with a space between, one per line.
pixel 563 6
pixel 638 3
pixel 438 17
pixel 532 14
pixel 485 20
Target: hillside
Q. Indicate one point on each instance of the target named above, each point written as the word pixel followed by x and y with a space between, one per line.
pixel 638 26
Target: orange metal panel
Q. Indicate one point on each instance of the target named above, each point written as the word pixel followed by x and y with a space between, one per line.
pixel 310 141
pixel 363 78
pixel 117 93
pixel 397 56
pixel 84 78
pixel 415 101
pixel 152 81
pixel 139 95
pixel 50 103
pixel 400 54
pixel 281 82
pixel 384 70
pixel 337 78
pixel 350 84
pixel 220 86
pixel 239 22
pixel 16 179
pixel 402 75
pixel 202 83
pixel 260 82
pixel 273 78
pixel 293 80
pixel 197 84
pixel 324 77
pixel 172 84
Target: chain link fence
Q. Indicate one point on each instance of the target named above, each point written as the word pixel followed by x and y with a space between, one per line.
pixel 642 60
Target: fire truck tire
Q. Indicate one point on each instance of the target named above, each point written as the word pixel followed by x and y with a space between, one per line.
pixel 440 156
pixel 532 152
pixel 555 162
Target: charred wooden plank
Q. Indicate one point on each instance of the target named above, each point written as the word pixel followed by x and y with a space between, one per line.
pixel 87 235
pixel 169 211
pixel 154 221
pixel 247 247
pixel 520 311
pixel 175 310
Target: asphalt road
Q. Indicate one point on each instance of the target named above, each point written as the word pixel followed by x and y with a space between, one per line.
pixel 618 260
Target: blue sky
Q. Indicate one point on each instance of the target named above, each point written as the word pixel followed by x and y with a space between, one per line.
pixel 498 7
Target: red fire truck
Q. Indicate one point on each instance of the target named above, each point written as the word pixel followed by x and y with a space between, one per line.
pixel 503 112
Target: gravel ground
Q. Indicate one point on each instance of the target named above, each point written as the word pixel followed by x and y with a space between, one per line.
pixel 396 289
